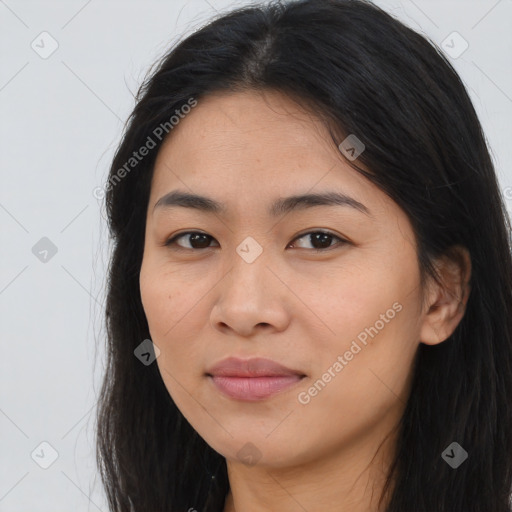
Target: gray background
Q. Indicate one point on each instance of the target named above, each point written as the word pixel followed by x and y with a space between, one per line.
pixel 61 117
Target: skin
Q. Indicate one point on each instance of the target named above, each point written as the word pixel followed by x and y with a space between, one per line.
pixel 296 306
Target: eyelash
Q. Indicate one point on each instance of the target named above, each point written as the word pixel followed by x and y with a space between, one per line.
pixel 172 241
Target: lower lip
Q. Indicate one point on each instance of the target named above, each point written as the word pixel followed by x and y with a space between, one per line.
pixel 253 388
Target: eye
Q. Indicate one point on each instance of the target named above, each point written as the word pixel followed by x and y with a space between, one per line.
pixel 321 240
pixel 196 238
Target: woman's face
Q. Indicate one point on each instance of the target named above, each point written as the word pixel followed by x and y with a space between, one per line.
pixel 345 317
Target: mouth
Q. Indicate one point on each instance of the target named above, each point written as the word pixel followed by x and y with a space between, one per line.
pixel 253 389
pixel 252 379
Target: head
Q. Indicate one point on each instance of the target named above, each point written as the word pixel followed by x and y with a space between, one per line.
pixel 386 286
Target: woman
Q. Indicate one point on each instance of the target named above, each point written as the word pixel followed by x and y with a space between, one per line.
pixel 310 294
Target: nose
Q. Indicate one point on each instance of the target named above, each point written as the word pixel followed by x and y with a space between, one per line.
pixel 250 298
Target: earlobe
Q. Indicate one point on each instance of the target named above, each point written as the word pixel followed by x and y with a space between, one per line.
pixel 447 300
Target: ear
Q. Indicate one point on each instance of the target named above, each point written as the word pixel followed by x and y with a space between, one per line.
pixel 446 301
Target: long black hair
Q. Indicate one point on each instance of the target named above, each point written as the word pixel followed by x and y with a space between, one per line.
pixel 361 72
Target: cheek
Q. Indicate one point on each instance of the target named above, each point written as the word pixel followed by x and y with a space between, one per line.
pixel 170 310
pixel 176 317
pixel 367 389
pixel 168 298
pixel 353 404
pixel 373 320
pixel 365 302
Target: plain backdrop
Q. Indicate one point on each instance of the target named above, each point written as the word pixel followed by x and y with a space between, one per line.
pixel 61 117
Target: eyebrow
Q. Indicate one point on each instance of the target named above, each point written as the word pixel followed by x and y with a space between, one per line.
pixel 280 207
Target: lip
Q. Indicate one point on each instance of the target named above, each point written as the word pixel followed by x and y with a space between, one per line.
pixel 254 367
pixel 252 379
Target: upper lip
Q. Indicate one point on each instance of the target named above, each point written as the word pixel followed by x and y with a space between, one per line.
pixel 255 367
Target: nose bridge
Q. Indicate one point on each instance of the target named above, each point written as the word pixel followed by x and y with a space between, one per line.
pixel 249 267
pixel 248 296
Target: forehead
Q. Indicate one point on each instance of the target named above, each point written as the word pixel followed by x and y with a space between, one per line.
pixel 253 147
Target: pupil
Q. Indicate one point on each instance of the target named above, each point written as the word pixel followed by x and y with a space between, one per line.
pixel 194 237
pixel 324 239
